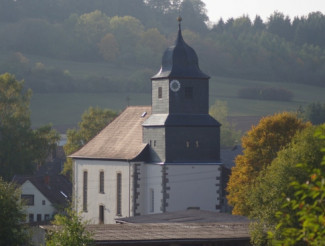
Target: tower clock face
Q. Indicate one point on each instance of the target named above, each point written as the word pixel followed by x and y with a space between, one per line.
pixel 175 85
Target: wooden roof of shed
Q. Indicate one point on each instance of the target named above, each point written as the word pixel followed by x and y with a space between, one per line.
pixel 120 140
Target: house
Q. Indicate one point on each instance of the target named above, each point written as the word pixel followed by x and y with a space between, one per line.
pixel 44 195
pixel 155 159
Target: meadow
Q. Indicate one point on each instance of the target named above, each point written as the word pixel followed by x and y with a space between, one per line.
pixel 64 110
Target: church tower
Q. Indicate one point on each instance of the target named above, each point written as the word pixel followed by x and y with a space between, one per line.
pixel 180 129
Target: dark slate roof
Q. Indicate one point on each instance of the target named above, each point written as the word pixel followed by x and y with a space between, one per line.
pixel 57 188
pixel 120 140
pixel 185 216
pixel 228 155
pixel 180 61
pixel 181 120
pixel 152 234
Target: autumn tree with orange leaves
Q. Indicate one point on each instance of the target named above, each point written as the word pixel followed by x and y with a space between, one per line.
pixel 260 147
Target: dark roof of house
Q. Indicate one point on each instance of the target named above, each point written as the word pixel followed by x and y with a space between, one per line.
pixel 169 232
pixel 180 61
pixel 228 155
pixel 57 188
pixel 185 216
pixel 122 234
pixel 120 140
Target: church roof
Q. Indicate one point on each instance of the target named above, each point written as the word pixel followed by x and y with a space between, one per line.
pixel 120 140
pixel 180 61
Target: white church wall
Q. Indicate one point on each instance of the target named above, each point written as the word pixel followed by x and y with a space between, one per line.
pixel 193 186
pixel 150 189
pixel 153 189
pixel 108 198
pixel 41 204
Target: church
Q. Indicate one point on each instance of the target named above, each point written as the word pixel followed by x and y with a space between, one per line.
pixel 155 159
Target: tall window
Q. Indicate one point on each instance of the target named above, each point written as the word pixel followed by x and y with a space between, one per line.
pixel 101 182
pixel 101 214
pixel 85 187
pixel 152 200
pixel 119 194
pixel 159 92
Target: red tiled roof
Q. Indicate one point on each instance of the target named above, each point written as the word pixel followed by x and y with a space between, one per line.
pixel 120 140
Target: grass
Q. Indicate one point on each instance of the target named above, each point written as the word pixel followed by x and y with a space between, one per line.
pixel 65 109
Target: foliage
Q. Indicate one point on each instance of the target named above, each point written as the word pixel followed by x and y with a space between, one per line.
pixel 68 230
pixel 260 147
pixel 21 147
pixel 301 219
pixel 266 197
pixel 229 136
pixel 108 47
pixel 93 120
pixel 12 230
pixel 315 113
pixel 275 94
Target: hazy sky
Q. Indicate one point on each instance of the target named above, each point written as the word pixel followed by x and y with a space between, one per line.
pixel 235 8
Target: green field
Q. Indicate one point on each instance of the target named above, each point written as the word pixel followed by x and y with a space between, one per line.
pixel 64 110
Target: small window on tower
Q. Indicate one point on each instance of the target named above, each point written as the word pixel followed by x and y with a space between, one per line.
pixel 188 92
pixel 159 92
pixel 187 144
pixel 197 143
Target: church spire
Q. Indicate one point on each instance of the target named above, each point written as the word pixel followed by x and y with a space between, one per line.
pixel 180 60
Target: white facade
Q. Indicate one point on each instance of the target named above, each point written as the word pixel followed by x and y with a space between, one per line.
pixel 108 198
pixel 41 208
pixel 193 186
pixel 145 188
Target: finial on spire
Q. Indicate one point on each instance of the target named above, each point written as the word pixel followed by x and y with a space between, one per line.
pixel 179 19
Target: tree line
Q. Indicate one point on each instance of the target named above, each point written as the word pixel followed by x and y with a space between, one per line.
pixel 135 33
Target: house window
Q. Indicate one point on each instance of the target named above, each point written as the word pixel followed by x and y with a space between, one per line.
pixel 43 202
pixel 152 200
pixel 159 92
pixel 39 217
pixel 119 194
pixel 101 182
pixel 188 92
pixel 101 214
pixel 28 199
pixel 85 186
pixel 31 217
pixel 46 217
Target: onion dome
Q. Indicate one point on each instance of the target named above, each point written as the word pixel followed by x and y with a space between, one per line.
pixel 180 61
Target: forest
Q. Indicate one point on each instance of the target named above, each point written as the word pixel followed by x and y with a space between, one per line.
pixel 133 35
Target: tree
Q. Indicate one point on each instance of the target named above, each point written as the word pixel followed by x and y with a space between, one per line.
pixel 21 147
pixel 92 122
pixel 260 147
pixel 229 136
pixel 108 47
pixel 12 230
pixel 315 113
pixel 68 230
pixel 272 188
